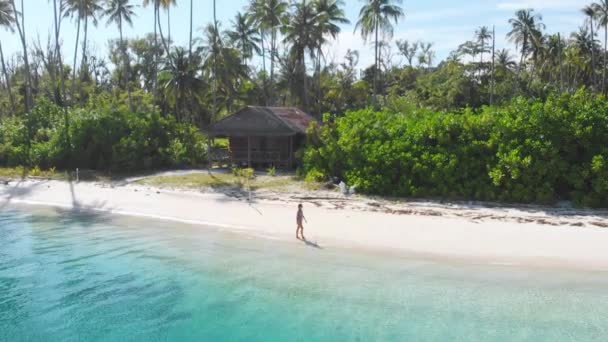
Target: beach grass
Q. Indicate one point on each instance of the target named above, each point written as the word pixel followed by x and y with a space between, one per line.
pixel 23 172
pixel 227 181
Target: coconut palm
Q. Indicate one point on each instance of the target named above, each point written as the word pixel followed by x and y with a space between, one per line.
pixel 589 11
pixel 119 12
pixel 270 16
pixel 90 11
pixel 166 5
pixel 181 81
pixel 525 29
pixel 329 17
pixel 26 62
pixel 300 34
pixel 482 36
pixel 7 20
pixel 244 36
pixel 376 16
pixel 504 60
pixel 601 13
pixel 190 36
pixel 81 11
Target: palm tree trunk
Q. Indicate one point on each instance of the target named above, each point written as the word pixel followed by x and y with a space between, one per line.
pixel 190 39
pixel 319 52
pixel 376 71
pixel 303 70
pixel 273 39
pixel 169 26
pixel 84 45
pixel 605 58
pixel 162 37
pixel 28 76
pixel 126 63
pixel 8 82
pixel 155 76
pixel 75 59
pixel 493 79
pixel 264 68
pixel 215 60
pixel 593 80
pixel 66 118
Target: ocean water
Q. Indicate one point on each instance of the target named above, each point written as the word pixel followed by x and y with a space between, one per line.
pixel 72 276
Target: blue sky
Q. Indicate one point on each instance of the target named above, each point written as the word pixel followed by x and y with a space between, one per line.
pixel 446 23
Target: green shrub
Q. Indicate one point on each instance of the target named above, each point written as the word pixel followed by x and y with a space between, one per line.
pixel 525 151
pixel 101 136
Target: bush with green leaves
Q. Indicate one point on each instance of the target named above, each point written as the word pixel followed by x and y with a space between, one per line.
pixel 527 151
pixel 100 136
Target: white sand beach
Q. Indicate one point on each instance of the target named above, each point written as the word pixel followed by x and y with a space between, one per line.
pixel 473 233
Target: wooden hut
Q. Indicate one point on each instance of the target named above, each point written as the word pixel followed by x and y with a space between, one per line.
pixel 263 136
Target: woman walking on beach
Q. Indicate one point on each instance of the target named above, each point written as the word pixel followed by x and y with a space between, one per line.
pixel 299 218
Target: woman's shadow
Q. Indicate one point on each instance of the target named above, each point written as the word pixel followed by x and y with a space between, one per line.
pixel 310 243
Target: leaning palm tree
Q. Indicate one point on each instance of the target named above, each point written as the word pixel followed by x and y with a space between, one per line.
pixel 26 62
pixel 524 28
pixel 166 5
pixel 244 36
pixel 119 11
pixel 7 20
pixel 376 16
pixel 589 11
pixel 601 13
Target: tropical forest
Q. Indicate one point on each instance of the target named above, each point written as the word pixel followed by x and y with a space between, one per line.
pixel 525 124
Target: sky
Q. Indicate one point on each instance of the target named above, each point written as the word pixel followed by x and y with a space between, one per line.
pixel 446 23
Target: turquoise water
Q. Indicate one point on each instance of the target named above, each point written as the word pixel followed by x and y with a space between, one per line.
pixel 68 276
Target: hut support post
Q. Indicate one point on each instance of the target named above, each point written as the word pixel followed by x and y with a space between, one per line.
pixel 249 151
pixel 290 151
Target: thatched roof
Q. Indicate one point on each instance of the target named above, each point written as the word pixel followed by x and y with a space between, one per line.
pixel 262 121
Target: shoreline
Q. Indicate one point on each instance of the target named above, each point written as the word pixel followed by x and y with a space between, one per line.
pixel 474 236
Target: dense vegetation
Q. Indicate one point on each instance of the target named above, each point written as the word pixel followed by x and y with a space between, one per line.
pixel 526 151
pixel 484 124
pixel 102 136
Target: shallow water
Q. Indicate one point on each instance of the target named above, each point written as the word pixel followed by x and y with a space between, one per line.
pixel 68 276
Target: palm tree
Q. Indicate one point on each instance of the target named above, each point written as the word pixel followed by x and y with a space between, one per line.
pixel 166 5
pixel 376 16
pixel 82 10
pixel 244 36
pixel 270 15
pixel 525 27
pixel 7 19
pixel 504 61
pixel 329 17
pixel 601 12
pixel 90 9
pixel 59 58
pixel 119 11
pixel 300 34
pixel 26 61
pixel 190 36
pixel 482 35
pixel 589 11
pixel 181 80
pixel 585 45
